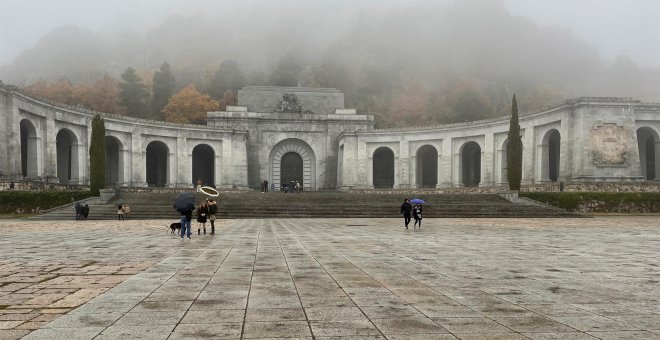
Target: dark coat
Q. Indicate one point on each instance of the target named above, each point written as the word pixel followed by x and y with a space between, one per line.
pixel 202 214
pixel 406 208
pixel 417 213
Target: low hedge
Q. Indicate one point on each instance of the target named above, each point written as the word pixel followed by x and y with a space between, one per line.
pixel 647 202
pixel 28 201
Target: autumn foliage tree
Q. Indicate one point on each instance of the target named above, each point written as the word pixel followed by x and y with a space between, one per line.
pixel 189 106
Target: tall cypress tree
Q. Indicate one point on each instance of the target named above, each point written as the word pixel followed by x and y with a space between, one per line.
pixel 163 88
pixel 97 156
pixel 514 150
pixel 134 95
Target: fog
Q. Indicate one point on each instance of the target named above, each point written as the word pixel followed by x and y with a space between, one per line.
pixel 547 50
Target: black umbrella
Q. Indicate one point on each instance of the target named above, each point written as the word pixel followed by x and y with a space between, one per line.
pixel 184 202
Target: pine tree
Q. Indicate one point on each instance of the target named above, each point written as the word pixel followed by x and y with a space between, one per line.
pixel 134 94
pixel 97 156
pixel 228 77
pixel 163 88
pixel 514 150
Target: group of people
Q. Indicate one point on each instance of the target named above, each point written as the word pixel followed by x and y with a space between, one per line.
pixel 408 209
pixel 264 185
pixel 293 187
pixel 82 211
pixel 123 210
pixel 205 212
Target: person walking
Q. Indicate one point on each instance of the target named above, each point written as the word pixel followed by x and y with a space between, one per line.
pixel 186 217
pixel 78 211
pixel 85 211
pixel 213 209
pixel 266 185
pixel 298 187
pixel 202 212
pixel 417 214
pixel 406 209
pixel 120 213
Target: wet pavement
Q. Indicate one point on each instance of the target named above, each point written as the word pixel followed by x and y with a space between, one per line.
pixel 333 279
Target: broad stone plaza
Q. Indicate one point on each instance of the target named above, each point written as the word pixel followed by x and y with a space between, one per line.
pixel 582 278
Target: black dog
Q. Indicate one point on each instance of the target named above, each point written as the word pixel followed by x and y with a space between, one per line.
pixel 175 227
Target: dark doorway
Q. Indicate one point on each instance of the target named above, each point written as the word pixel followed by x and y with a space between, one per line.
pixel 553 155
pixel 157 154
pixel 471 164
pixel 203 161
pixel 650 158
pixel 646 140
pixel 427 167
pixel 67 158
pixel 113 164
pixel 291 169
pixel 28 149
pixel 383 168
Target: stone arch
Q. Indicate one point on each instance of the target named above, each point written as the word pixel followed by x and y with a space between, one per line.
pixel 203 164
pixel 114 164
pixel 29 149
pixel 302 150
pixel 550 155
pixel 647 143
pixel 470 164
pixel 67 156
pixel 383 168
pixel 427 166
pixel 157 164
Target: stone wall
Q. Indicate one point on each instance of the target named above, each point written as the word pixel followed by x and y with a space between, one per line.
pixel 266 98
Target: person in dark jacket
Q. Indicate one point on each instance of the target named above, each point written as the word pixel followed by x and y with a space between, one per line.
pixel 85 211
pixel 213 209
pixel 417 215
pixel 202 213
pixel 406 209
pixel 186 217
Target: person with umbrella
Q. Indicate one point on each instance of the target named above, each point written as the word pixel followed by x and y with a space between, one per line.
pixel 417 211
pixel 406 208
pixel 184 204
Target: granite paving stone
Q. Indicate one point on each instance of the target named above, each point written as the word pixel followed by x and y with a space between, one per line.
pixel 324 279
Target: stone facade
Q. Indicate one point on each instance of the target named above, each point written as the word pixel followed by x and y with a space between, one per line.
pixel 586 140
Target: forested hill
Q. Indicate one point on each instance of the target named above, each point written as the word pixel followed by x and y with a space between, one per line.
pixel 410 66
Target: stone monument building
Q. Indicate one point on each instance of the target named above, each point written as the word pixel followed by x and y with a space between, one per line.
pixel 326 146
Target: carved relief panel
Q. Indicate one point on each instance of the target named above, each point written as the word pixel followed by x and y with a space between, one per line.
pixel 610 145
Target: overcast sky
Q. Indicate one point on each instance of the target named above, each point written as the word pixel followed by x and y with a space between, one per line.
pixel 614 27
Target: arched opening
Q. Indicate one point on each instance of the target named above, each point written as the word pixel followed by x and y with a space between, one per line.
pixel 503 160
pixel 203 165
pixel 279 165
pixel 28 149
pixel 67 156
pixel 157 164
pixel 551 155
pixel 646 142
pixel 114 163
pixel 383 168
pixel 471 164
pixel 291 169
pixel 427 167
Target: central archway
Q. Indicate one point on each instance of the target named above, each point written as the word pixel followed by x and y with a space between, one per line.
pixel 293 160
pixel 67 156
pixel 471 164
pixel 383 168
pixel 427 167
pixel 157 164
pixel 291 169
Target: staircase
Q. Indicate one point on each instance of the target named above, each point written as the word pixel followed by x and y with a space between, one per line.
pixel 232 205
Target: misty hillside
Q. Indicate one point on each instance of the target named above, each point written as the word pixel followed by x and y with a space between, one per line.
pixel 409 65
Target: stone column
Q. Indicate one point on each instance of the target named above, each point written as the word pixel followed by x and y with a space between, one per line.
pixel 138 161
pixel 180 165
pixel 457 176
pixel 542 163
pixel 488 161
pixel 33 152
pixel 445 169
pixel 217 170
pixel 78 165
pixel 413 172
pixel 50 154
pixel 124 175
pixel 439 183
pixel 226 165
pixel 528 156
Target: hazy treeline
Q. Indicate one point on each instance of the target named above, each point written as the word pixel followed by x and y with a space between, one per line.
pixel 417 65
